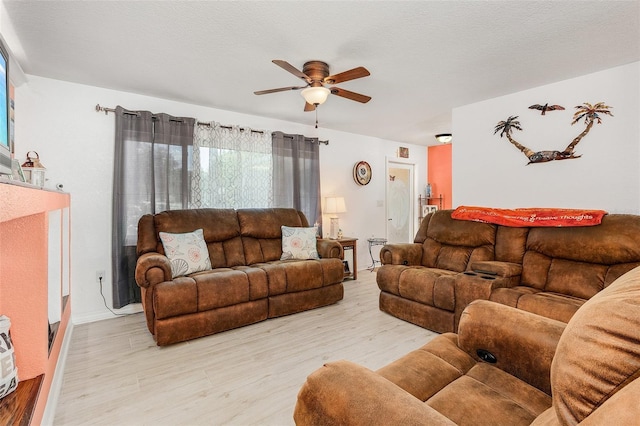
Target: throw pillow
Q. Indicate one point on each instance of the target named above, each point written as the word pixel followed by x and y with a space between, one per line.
pixel 9 376
pixel 299 243
pixel 187 252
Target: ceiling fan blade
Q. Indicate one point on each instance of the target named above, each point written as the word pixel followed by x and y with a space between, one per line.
pixel 293 70
pixel 350 95
pixel 309 107
pixel 347 75
pixel 281 89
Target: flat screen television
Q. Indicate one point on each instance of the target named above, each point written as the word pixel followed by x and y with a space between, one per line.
pixel 5 137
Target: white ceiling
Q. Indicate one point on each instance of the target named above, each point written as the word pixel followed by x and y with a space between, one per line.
pixel 425 57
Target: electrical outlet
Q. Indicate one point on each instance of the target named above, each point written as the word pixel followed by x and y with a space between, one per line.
pixel 99 275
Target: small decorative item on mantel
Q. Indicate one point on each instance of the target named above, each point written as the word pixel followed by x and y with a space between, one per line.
pixel 34 170
pixel 427 190
pixel 9 377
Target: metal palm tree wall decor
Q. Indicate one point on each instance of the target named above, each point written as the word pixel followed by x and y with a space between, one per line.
pixel 589 113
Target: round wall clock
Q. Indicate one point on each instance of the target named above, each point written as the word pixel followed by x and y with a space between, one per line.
pixel 362 173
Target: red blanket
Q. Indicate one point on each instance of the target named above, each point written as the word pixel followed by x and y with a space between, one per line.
pixel 530 216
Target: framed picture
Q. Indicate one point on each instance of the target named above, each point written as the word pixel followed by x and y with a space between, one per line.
pixel 16 171
pixel 403 152
pixel 428 209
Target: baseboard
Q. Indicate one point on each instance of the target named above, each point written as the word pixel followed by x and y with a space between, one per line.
pixel 132 308
pixel 58 377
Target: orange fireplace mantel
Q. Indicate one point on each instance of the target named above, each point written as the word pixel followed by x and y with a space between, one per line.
pixel 24 279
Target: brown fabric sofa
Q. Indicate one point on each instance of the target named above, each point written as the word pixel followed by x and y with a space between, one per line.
pixel 247 283
pixel 548 271
pixel 543 371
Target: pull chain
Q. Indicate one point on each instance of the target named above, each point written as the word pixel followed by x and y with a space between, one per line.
pixel 316 108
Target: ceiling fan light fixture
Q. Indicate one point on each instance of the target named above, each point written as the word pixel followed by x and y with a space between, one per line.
pixel 315 95
pixel 444 137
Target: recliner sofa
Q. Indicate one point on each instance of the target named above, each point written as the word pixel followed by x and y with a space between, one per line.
pixel 248 282
pixel 550 271
pixel 505 366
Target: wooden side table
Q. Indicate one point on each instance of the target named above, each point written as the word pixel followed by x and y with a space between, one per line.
pixel 349 243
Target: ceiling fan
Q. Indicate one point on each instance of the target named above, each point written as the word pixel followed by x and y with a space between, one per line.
pixel 316 75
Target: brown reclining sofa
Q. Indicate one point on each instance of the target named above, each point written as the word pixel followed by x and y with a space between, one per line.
pixel 247 281
pixel 505 366
pixel 550 271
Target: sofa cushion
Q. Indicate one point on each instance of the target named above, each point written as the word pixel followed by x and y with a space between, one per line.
pixel 453 244
pixel 293 275
pixel 177 297
pixel 551 305
pixel 428 286
pixel 262 233
pixel 299 243
pixel 614 241
pixel 510 244
pixel 581 261
pixel 187 252
pixel 556 306
pixel 221 287
pixel 427 370
pixel 511 295
pixel 220 227
pixel 439 372
pixel 491 396
pixel 598 354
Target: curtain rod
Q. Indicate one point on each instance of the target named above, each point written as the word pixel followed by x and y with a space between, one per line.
pixel 108 110
pixel 319 141
pixel 242 129
pixel 199 123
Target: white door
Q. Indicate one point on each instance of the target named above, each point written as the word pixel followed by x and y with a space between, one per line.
pixel 399 200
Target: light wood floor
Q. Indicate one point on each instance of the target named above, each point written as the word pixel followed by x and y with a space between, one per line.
pixel 116 375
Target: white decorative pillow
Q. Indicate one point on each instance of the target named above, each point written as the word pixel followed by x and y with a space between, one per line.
pixel 299 243
pixel 187 252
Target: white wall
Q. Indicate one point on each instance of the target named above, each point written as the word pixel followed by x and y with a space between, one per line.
pixel 489 171
pixel 75 143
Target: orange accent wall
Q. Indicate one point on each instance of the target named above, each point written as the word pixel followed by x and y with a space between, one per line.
pixel 439 172
pixel 24 282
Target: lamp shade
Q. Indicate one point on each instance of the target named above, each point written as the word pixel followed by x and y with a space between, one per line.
pixel 315 95
pixel 333 205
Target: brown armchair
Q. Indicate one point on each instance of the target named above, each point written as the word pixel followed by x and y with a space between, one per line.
pixel 504 367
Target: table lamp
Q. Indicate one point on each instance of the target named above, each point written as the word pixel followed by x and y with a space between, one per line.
pixel 333 206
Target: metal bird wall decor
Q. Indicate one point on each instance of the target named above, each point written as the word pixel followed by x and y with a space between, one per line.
pixel 590 113
pixel 546 107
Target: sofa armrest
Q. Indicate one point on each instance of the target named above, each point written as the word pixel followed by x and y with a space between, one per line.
pixel 500 269
pixel 152 268
pixel 470 286
pixel 401 254
pixel 522 343
pixel 344 393
pixel 329 249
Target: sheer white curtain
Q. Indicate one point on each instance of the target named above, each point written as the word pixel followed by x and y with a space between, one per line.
pixel 232 167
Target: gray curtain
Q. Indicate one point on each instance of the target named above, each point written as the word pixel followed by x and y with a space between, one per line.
pixel 296 174
pixel 151 174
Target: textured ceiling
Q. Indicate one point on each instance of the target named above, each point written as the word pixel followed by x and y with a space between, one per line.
pixel 425 57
